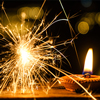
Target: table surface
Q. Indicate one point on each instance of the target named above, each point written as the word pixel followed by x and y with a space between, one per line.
pixel 55 92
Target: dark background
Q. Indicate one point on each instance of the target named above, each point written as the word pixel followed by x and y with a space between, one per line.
pixel 83 43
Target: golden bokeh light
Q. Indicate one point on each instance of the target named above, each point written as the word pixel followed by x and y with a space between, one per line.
pixel 23 15
pixel 91 17
pixel 97 18
pixel 86 20
pixel 23 12
pixel 30 13
pixel 33 13
pixel 89 20
pixel 83 27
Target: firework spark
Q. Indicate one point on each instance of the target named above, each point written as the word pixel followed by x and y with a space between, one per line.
pixel 28 58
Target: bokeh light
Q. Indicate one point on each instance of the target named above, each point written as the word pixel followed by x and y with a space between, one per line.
pixel 86 23
pixel 97 18
pixel 33 13
pixel 89 20
pixel 91 17
pixel 23 15
pixel 83 27
pixel 30 13
pixel 86 3
pixel 86 20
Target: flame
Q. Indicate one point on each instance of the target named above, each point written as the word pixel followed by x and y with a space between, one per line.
pixel 88 66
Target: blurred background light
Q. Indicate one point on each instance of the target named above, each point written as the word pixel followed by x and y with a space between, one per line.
pixel 30 13
pixel 97 18
pixel 86 3
pixel 23 13
pixel 91 17
pixel 86 23
pixel 86 20
pixel 83 27
pixel 33 13
pixel 89 20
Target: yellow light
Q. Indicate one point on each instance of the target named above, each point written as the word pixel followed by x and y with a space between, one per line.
pixel 23 15
pixel 83 27
pixel 23 12
pixel 24 55
pixel 89 20
pixel 30 13
pixel 33 13
pixel 97 18
pixel 88 67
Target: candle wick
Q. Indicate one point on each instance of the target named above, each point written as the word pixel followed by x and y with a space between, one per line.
pixel 87 75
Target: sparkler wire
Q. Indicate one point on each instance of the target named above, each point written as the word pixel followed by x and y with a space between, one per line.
pixel 63 8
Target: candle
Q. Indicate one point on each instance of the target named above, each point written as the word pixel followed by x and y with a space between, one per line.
pixel 85 79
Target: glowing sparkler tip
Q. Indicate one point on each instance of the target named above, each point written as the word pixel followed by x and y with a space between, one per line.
pixel 24 53
pixel 52 46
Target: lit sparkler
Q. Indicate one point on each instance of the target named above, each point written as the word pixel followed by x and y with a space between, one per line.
pixel 28 57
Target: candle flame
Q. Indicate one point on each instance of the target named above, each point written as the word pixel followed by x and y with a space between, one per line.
pixel 88 66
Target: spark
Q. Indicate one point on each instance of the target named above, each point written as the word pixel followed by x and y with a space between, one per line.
pixel 28 57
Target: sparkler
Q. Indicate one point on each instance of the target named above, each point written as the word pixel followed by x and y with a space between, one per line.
pixel 27 60
pixel 28 57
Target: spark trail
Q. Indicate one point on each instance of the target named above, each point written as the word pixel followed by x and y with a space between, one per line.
pixel 27 58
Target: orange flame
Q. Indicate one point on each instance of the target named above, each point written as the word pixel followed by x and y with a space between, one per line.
pixel 88 66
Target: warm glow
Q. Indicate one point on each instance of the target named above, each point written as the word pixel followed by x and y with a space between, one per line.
pixel 23 15
pixel 34 13
pixel 24 55
pixel 88 62
pixel 97 18
pixel 30 13
pixel 83 27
